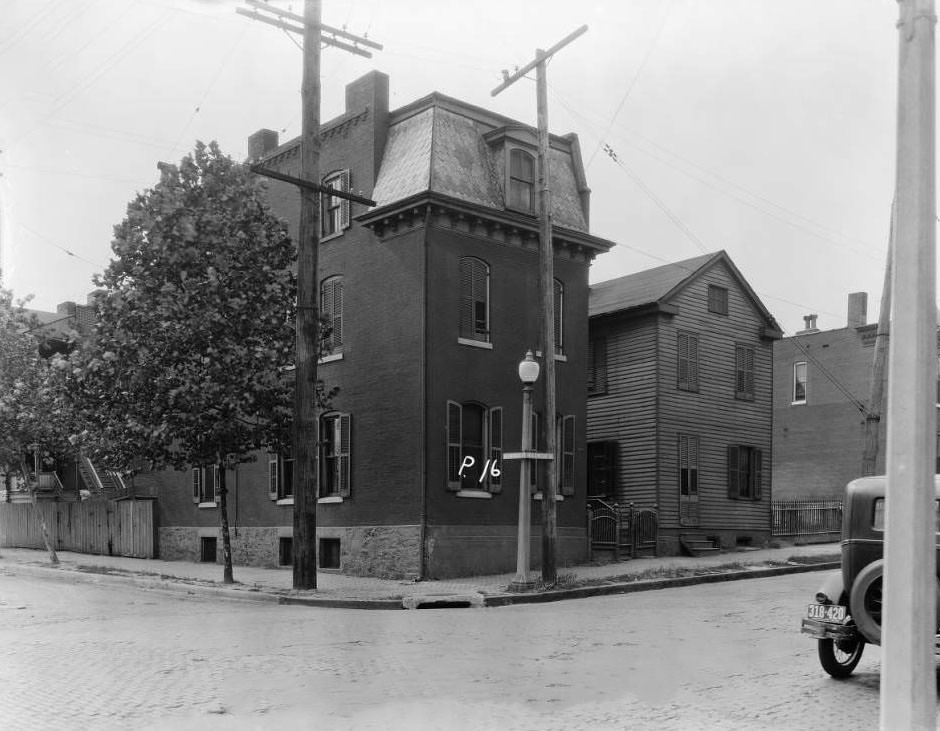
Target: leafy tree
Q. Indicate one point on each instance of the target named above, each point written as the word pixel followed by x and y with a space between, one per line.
pixel 35 417
pixel 190 363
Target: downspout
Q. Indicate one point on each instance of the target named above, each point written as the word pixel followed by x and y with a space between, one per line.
pixel 423 370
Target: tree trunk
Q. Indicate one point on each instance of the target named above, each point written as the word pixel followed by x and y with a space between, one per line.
pixel 53 557
pixel 227 577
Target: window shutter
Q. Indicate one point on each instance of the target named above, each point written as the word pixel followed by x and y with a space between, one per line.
pixel 693 465
pixel 682 376
pixel 272 476
pixel 559 319
pixel 480 298
pixel 733 490
pixel 454 418
pixel 466 298
pixel 683 465
pixel 535 443
pixel 343 449
pixel 567 458
pixel 337 313
pixel 216 483
pixel 344 184
pixel 758 463
pixel 496 447
pixel 693 362
pixel 326 310
pixel 197 487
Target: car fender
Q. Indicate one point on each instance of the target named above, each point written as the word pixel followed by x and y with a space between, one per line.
pixel 832 589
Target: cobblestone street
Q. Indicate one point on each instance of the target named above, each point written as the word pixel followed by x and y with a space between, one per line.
pixel 723 656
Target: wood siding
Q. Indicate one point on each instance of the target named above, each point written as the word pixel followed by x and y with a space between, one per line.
pixel 121 528
pixel 644 411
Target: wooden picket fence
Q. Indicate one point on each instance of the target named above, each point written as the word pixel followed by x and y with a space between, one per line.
pixel 806 517
pixel 111 527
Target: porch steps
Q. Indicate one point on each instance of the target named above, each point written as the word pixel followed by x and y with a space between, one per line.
pixel 696 544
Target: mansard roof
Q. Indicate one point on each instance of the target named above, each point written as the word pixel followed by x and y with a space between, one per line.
pixel 442 146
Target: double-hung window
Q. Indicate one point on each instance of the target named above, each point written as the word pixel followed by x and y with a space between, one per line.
pixel 521 181
pixel 280 476
pixel 687 361
pixel 474 447
pixel 334 211
pixel 744 372
pixel 205 485
pixel 745 472
pixel 474 300
pixel 717 299
pixel 799 382
pixel 335 450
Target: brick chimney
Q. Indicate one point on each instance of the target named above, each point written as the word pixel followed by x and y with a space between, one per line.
pixel 371 92
pixel 261 143
pixel 858 309
pixel 809 322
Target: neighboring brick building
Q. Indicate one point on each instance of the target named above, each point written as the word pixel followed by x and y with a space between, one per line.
pixel 822 385
pixel 433 295
pixel 679 400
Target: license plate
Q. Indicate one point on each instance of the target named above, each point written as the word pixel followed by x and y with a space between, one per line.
pixel 826 612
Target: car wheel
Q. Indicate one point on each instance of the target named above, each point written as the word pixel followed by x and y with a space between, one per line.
pixel 840 658
pixel 865 601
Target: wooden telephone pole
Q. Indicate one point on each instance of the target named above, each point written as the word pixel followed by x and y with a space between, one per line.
pixel 547 291
pixel 908 671
pixel 308 315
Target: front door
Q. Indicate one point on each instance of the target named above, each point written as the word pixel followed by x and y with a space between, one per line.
pixel 688 480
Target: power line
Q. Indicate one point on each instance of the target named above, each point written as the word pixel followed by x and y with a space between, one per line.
pixel 52 243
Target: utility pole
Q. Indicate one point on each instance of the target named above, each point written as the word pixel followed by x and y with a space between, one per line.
pixel 305 449
pixel 547 292
pixel 908 672
pixel 877 386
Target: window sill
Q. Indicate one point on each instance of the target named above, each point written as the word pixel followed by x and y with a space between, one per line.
pixel 475 343
pixel 286 501
pixel 330 358
pixel 798 403
pixel 329 499
pixel 207 505
pixel 744 396
pixel 479 494
pixel 558 498
pixel 330 237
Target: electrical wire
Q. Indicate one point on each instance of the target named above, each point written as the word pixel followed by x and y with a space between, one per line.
pixel 52 243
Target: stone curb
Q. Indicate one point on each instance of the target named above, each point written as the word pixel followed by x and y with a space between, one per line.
pixel 628 587
pixel 421 601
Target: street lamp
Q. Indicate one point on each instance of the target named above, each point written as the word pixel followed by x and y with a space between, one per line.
pixel 528 374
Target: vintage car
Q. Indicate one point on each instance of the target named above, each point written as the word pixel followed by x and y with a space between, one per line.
pixel 847 611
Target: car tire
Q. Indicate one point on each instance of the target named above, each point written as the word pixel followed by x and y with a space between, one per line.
pixel 865 601
pixel 840 658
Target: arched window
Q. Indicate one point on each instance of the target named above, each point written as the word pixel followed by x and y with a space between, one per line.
pixel 331 308
pixel 474 299
pixel 521 181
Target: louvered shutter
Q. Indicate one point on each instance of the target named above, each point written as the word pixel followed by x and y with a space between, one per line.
pixel 683 465
pixel 682 376
pixel 337 313
pixel 758 463
pixel 344 185
pixel 466 298
pixel 693 362
pixel 343 449
pixel 535 443
pixel 693 465
pixel 272 476
pixel 216 482
pixel 326 309
pixel 480 298
pixel 733 488
pixel 197 484
pixel 558 325
pixel 567 455
pixel 454 440
pixel 496 448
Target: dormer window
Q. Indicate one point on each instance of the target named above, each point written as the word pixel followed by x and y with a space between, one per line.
pixel 521 180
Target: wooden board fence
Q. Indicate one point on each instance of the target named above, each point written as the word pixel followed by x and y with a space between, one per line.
pixel 113 528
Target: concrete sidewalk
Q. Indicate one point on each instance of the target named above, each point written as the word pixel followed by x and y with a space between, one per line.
pixel 339 590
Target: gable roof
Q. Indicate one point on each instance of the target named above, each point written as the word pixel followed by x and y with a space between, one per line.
pixel 658 285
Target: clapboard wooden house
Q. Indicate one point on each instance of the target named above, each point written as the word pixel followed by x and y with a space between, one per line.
pixel 679 417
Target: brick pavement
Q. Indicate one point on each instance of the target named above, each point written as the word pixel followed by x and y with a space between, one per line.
pixel 274 583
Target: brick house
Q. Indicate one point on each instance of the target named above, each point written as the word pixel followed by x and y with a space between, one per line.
pixel 822 387
pixel 679 409
pixel 433 297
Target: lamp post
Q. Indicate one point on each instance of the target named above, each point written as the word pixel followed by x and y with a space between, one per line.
pixel 528 374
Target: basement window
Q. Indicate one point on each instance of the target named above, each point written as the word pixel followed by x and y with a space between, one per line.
pixel 329 553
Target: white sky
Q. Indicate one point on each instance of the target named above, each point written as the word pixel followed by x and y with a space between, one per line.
pixel 762 127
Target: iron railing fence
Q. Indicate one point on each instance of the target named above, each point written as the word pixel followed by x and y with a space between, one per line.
pixel 806 517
